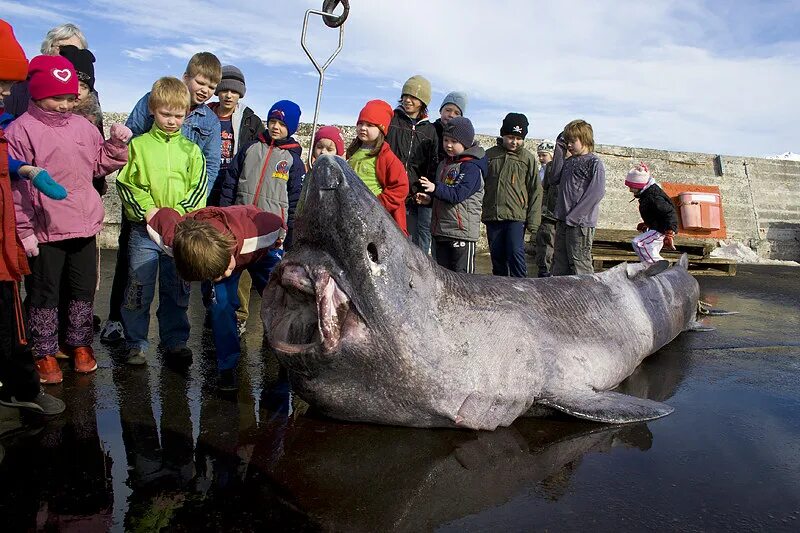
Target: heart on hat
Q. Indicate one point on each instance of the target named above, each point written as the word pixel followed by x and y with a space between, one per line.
pixel 63 74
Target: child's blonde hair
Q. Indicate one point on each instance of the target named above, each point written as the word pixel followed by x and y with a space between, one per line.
pixel 168 92
pixel 205 64
pixel 353 147
pixel 201 251
pixel 581 130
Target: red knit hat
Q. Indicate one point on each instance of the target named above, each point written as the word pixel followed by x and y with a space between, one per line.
pixel 333 134
pixel 377 112
pixel 52 76
pixel 13 63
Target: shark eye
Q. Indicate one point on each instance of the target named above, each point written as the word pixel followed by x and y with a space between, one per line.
pixel 372 250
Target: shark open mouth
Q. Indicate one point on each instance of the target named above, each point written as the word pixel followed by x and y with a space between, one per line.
pixel 307 311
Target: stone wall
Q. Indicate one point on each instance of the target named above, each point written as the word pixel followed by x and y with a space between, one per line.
pixel 760 197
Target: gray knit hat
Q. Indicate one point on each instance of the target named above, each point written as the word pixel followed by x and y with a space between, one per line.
pixel 460 129
pixel 232 80
pixel 458 99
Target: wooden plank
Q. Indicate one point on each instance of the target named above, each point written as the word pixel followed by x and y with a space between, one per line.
pixel 623 237
pixel 700 267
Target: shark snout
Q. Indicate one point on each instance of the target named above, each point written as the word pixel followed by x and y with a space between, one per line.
pixel 328 172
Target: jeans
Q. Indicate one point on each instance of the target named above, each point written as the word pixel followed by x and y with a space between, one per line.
pixel 222 301
pixel 147 262
pixel 507 248
pixel 418 224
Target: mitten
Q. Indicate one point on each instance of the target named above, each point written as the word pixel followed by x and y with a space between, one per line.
pixel 42 180
pixel 31 245
pixel 641 227
pixel 668 236
pixel 120 133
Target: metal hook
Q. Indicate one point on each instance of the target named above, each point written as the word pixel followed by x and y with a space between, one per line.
pixel 328 6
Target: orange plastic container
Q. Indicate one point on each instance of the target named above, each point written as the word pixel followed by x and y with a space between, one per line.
pixel 700 210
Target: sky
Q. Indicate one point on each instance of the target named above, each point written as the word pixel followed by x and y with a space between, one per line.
pixel 720 77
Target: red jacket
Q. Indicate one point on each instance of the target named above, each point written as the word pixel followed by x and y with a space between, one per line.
pixel 393 179
pixel 254 230
pixel 13 263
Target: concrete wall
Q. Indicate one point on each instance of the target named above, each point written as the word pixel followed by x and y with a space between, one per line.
pixel 760 197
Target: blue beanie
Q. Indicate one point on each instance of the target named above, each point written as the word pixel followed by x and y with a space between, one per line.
pixel 287 112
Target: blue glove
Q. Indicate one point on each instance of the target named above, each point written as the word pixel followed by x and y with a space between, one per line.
pixel 49 187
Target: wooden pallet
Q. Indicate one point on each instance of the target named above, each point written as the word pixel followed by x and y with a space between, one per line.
pixel 710 266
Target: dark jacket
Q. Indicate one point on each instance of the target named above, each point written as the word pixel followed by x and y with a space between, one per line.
pixel 513 191
pixel 250 127
pixel 549 194
pixel 414 144
pixel 439 127
pixel 268 174
pixel 657 210
pixel 458 196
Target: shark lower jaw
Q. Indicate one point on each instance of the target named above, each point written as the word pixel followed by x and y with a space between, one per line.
pixel 308 312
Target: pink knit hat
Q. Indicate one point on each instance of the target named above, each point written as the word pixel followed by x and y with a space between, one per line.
pixel 638 176
pixel 51 76
pixel 331 133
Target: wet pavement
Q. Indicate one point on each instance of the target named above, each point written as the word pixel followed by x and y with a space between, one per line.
pixel 142 449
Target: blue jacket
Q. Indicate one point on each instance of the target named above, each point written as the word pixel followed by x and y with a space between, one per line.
pixel 260 167
pixel 458 195
pixel 201 127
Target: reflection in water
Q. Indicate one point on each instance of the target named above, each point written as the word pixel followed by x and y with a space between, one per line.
pixel 260 461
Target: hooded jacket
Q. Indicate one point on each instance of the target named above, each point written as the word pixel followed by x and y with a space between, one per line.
pixel 513 191
pixel 254 230
pixel 268 174
pixel 13 262
pixel 458 196
pixel 393 180
pixel 414 144
pixel 73 152
pixel 657 209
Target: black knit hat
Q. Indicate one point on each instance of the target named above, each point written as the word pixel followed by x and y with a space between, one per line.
pixel 460 129
pixel 83 61
pixel 515 124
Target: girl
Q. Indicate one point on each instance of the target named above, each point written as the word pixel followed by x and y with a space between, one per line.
pixel 61 236
pixel 371 158
pixel 327 141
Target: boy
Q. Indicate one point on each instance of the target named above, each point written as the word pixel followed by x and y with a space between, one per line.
pixel 660 221
pixel 453 105
pixel 547 229
pixel 217 244
pixel 457 197
pixel 201 126
pixel 19 380
pixel 413 140
pixel 581 185
pixel 165 169
pixel 513 200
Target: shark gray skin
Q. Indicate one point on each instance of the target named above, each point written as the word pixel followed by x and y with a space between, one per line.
pixel 371 330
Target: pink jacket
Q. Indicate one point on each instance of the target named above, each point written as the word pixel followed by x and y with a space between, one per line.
pixel 71 149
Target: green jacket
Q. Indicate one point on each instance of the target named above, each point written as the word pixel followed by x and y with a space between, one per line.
pixel 163 170
pixel 512 190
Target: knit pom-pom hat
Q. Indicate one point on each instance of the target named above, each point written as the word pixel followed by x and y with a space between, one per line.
pixel 638 176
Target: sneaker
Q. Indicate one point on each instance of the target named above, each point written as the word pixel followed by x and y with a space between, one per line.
pixel 112 332
pixel 84 359
pixel 241 327
pixel 180 353
pixel 136 357
pixel 226 380
pixel 63 352
pixel 43 404
pixel 49 371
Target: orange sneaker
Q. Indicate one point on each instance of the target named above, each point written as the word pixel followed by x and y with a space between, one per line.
pixel 49 371
pixel 84 359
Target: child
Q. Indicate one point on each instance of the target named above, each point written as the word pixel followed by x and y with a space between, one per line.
pixel 217 244
pixel 371 158
pixel 453 105
pixel 86 105
pixel 413 140
pixel 327 141
pixel 660 221
pixel 547 229
pixel 19 381
pixel 239 125
pixel 581 185
pixel 513 199
pixel 165 170
pixel 457 197
pixel 62 234
pixel 202 127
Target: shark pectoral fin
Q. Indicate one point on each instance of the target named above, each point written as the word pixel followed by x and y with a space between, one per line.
pixel 606 406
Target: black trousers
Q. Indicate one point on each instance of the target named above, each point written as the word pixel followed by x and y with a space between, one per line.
pixel 17 371
pixel 120 272
pixel 455 255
